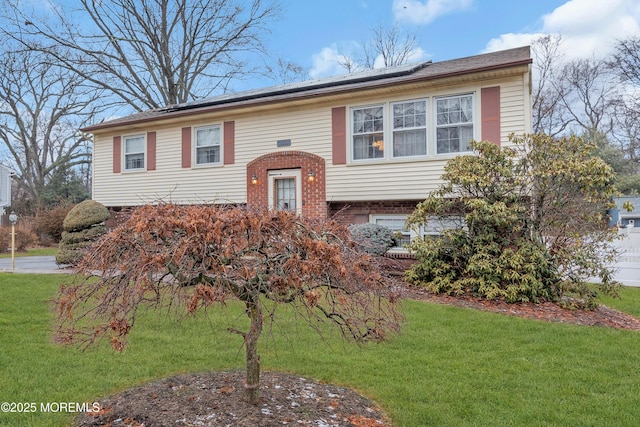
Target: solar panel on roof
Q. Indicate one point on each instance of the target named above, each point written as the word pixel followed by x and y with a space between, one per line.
pixel 305 85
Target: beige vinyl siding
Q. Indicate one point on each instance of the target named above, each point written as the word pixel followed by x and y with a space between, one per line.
pixel 169 182
pixel 309 130
pixel 513 109
pixel 392 181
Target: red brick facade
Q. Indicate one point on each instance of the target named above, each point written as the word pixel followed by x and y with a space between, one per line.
pixel 358 212
pixel 314 199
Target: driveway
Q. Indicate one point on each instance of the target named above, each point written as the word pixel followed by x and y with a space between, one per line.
pixel 33 265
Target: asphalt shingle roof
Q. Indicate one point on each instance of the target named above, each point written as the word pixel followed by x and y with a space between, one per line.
pixel 343 83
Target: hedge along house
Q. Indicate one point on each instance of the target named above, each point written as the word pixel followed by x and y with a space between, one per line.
pixel 361 147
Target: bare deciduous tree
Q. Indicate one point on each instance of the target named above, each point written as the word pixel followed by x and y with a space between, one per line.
pixel 264 259
pixel 43 106
pixel 284 72
pixel 627 131
pixel 549 115
pixel 589 94
pixel 149 54
pixel 626 64
pixel 626 60
pixel 387 47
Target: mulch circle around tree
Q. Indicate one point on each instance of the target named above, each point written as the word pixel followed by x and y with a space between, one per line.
pixel 216 398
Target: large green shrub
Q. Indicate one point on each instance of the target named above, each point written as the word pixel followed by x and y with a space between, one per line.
pixel 82 226
pixel 534 225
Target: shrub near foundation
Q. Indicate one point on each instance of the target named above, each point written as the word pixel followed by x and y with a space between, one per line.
pixel 534 224
pixel 82 226
pixel 373 238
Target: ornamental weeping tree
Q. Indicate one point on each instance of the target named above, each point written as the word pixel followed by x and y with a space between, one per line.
pixel 201 255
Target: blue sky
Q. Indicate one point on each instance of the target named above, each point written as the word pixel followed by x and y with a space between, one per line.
pixel 312 32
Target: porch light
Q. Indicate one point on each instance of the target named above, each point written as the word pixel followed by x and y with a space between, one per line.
pixel 254 179
pixel 311 176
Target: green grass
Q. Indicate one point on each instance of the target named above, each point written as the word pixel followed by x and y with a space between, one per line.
pixel 629 301
pixel 448 367
pixel 32 252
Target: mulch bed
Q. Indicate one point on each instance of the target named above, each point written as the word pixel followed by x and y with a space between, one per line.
pixel 216 398
pixel 546 311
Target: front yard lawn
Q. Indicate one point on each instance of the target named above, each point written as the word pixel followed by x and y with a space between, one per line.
pixel 449 366
pixel 32 252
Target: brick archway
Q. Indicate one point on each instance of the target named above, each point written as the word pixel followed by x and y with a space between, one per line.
pixel 314 203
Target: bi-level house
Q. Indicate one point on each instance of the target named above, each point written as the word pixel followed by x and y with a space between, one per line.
pixel 367 146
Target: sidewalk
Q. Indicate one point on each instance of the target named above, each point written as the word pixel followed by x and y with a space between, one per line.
pixel 33 265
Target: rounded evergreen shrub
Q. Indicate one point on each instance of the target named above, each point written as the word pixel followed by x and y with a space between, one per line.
pixel 84 215
pixel 82 226
pixel 373 238
pixel 88 234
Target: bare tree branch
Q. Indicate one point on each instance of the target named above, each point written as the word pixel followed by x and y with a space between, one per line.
pixel 387 47
pixel 42 108
pixel 589 94
pixel 150 54
pixel 549 115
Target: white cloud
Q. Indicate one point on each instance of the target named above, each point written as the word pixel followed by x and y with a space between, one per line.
pixel 424 12
pixel 327 62
pixel 587 27
pixel 510 40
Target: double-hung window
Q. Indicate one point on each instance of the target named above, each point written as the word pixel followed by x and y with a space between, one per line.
pixel 207 145
pixel 413 128
pixel 454 124
pixel 409 128
pixel 433 228
pixel 368 132
pixel 134 152
pixel 395 223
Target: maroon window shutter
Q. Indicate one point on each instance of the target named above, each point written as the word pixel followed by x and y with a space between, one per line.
pixel 117 154
pixel 229 141
pixel 151 151
pixel 186 147
pixel 490 105
pixel 339 135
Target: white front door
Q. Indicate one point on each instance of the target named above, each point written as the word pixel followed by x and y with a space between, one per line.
pixel 285 190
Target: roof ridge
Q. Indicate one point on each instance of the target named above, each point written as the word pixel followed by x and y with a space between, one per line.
pixel 333 81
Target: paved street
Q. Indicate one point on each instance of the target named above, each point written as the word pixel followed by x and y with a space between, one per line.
pixel 628 268
pixel 32 264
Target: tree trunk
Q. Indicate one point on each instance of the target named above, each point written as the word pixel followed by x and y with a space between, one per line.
pixel 252 383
